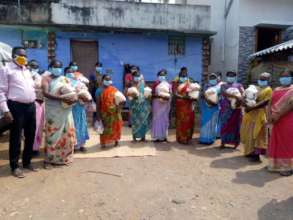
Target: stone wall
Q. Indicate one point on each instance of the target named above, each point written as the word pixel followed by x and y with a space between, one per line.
pixel 247 36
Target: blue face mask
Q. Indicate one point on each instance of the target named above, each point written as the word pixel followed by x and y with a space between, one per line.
pixel 162 78
pixel 136 78
pixel 285 80
pixel 99 69
pixel 262 83
pixel 74 68
pixel 213 82
pixel 231 79
pixel 70 75
pixel 183 79
pixel 107 82
pixel 56 71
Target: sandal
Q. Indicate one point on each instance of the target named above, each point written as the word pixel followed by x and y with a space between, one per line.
pixel 285 173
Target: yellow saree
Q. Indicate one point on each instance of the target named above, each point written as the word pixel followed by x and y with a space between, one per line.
pixel 253 132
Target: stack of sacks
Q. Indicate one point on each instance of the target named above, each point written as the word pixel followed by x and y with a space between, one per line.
pixel 147 92
pixel 119 98
pixel 250 95
pixel 211 94
pixel 235 92
pixel 193 90
pixel 132 92
pixel 83 93
pixel 163 90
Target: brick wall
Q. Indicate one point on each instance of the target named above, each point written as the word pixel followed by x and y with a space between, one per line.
pixel 247 36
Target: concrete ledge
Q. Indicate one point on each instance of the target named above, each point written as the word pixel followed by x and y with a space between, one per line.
pixel 193 19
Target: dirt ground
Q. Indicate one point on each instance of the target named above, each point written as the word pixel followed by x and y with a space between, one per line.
pixel 180 183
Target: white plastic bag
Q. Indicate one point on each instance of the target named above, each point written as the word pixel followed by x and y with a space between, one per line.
pixel 99 127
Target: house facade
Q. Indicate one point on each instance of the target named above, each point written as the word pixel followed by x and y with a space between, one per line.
pixel 244 27
pixel 152 36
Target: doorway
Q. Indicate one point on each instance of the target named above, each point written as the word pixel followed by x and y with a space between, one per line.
pixel 85 53
pixel 267 37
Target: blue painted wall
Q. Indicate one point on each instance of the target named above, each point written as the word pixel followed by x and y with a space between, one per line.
pixel 13 37
pixel 149 52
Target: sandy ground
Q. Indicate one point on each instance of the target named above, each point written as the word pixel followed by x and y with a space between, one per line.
pixel 181 182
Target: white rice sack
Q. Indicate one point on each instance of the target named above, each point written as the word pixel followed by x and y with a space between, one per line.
pixel 193 90
pixel 119 98
pixel 235 92
pixel 194 94
pixel 164 94
pixel 132 92
pixel 193 87
pixel 211 94
pixel 147 92
pixel 250 95
pixel 38 87
pixel 83 79
pixel 67 89
pixel 163 89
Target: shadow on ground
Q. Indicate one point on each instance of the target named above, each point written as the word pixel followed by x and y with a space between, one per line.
pixel 277 210
pixel 257 178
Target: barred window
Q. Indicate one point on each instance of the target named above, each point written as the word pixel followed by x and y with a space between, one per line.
pixel 176 46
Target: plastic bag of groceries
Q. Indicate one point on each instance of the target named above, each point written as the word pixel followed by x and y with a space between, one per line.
pixel 99 127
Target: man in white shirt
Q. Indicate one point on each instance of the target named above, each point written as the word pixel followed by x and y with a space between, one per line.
pixel 17 97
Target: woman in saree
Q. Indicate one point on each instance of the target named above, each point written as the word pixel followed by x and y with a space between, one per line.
pixel 184 105
pixel 59 129
pixel 280 152
pixel 161 106
pixel 209 114
pixel 230 118
pixel 108 113
pixel 79 113
pixel 254 128
pixel 140 109
pixel 40 107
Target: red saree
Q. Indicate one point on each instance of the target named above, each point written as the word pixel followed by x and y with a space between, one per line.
pixel 184 117
pixel 280 150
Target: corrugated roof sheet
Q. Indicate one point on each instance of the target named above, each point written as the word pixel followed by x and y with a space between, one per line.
pixel 280 47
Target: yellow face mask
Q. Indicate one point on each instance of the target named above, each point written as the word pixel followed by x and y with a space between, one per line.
pixel 21 60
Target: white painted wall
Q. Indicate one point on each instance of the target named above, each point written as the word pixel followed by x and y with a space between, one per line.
pixel 217 24
pixel 115 14
pixel 231 49
pixel 253 12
